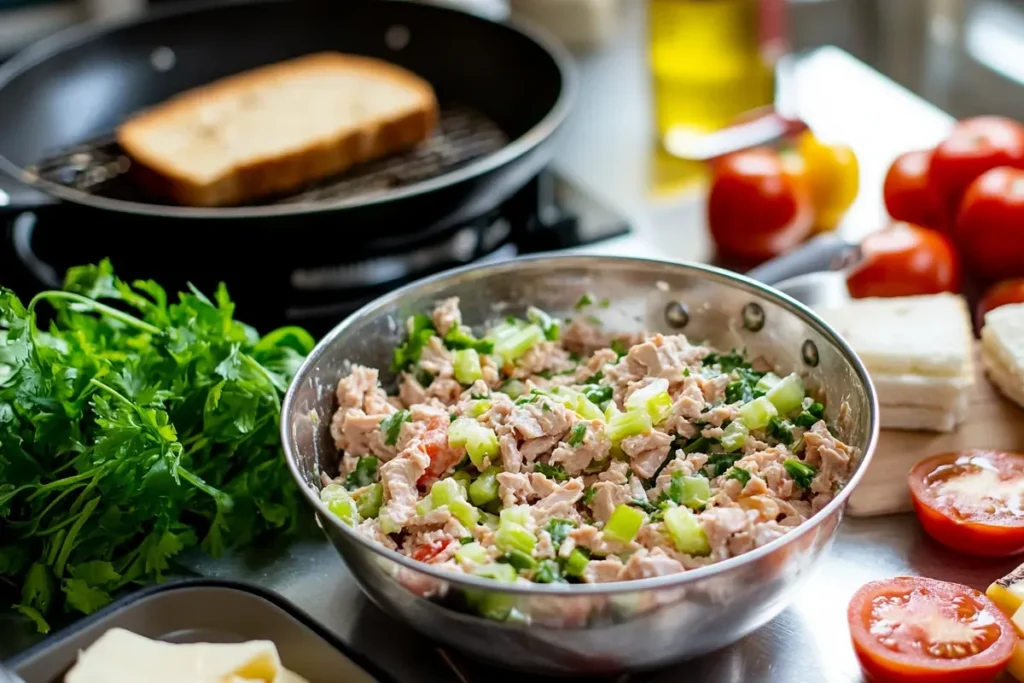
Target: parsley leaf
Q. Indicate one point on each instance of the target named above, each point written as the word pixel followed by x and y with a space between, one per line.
pixel 619 347
pixel 461 337
pixel 364 474
pixel 739 474
pixel 598 393
pixel 131 429
pixel 588 496
pixel 559 529
pixel 584 301
pixel 577 433
pixel 421 329
pixel 781 430
pixel 719 463
pixel 556 472
pixel 809 417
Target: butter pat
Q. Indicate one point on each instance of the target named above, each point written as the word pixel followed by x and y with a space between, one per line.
pixel 120 656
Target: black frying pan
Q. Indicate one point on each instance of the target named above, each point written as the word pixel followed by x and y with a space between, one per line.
pixel 74 88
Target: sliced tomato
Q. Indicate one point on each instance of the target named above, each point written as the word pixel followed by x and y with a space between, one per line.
pixel 918 630
pixel 972 501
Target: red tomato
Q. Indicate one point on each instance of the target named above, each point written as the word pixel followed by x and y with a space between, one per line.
pixel 908 194
pixel 904 260
pixel 917 630
pixel 426 552
pixel 760 205
pixel 434 443
pixel 989 230
pixel 1001 294
pixel 972 501
pixel 975 146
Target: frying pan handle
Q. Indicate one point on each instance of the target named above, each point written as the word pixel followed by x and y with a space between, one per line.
pixel 17 198
pixel 825 252
pixel 20 207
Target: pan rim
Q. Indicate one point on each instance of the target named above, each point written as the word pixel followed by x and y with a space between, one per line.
pixel 75 36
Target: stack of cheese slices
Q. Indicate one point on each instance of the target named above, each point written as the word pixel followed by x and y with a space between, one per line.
pixel 1002 350
pixel 918 351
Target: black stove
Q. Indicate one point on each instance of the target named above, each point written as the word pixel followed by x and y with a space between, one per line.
pixel 549 213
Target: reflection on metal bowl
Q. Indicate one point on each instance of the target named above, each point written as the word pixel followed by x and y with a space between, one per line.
pixel 583 628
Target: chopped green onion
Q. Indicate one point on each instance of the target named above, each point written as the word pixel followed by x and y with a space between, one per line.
pixel 719 463
pixel 512 344
pixel 739 474
pixel 341 504
pixel 512 536
pixel 391 426
pixel 556 472
pixel 584 301
pixel 757 413
pixel 588 496
pixel 686 532
pixel 802 473
pixel 559 530
pixel 788 394
pixel 547 572
pixel 517 514
pixel 701 444
pixel 631 423
pixel 520 560
pixel 513 388
pixel 619 347
pixel 576 563
pixel 734 436
pixel 552 328
pixel 809 417
pixel 464 512
pixel 498 571
pixel 364 474
pixel 472 552
pixel 781 430
pixel 421 329
pixel 624 523
pixel 467 366
pixel 577 434
pixel 369 501
pixel 485 488
pixel 598 394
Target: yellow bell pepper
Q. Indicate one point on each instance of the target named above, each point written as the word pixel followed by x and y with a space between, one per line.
pixel 834 178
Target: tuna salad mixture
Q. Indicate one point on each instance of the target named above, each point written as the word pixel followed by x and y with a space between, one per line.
pixel 553 452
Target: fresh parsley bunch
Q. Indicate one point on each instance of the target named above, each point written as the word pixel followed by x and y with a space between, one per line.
pixel 130 431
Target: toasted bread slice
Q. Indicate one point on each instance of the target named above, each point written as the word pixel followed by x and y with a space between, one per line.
pixel 274 129
pixel 1002 350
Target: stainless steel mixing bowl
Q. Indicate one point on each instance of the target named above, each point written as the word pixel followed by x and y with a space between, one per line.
pixel 601 628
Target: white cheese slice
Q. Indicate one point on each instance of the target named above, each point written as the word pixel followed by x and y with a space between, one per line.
pixel 120 656
pixel 916 335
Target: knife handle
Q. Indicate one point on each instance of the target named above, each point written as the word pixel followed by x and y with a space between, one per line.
pixel 825 252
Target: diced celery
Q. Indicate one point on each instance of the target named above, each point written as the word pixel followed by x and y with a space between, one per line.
pixel 511 536
pixel 425 506
pixel 758 413
pixel 341 504
pixel 471 552
pixel 485 488
pixel 687 535
pixel 734 436
pixel 630 423
pixel 552 328
pixel 576 563
pixel 464 512
pixel 641 397
pixel 464 479
pixel 519 514
pixel 459 431
pixel 520 560
pixel 517 342
pixel 480 407
pixel 611 410
pixel 481 443
pixel 659 407
pixel 467 366
pixel 588 409
pixel 513 388
pixel 788 395
pixel 388 524
pixel 369 501
pixel 624 523
pixel 490 521
pixel 694 491
pixel 504 573
pixel 765 384
pixel 444 491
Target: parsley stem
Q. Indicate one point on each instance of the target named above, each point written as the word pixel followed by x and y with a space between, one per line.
pixel 69 541
pixel 109 311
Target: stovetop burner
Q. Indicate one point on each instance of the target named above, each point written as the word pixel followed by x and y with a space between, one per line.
pixel 550 213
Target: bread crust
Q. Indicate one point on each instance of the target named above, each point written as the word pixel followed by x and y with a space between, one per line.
pixel 261 176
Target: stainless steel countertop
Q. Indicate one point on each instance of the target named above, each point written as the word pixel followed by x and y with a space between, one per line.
pixel 608 147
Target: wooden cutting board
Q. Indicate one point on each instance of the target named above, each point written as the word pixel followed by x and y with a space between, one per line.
pixel 992 422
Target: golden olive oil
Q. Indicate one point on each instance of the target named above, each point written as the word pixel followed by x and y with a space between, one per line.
pixel 711 61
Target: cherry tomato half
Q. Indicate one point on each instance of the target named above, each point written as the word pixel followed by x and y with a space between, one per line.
pixel 972 501
pixel 975 146
pixel 917 630
pixel 989 230
pixel 908 194
pixel 905 260
pixel 1000 294
pixel 759 206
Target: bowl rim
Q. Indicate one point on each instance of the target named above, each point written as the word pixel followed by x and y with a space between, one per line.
pixel 618 587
